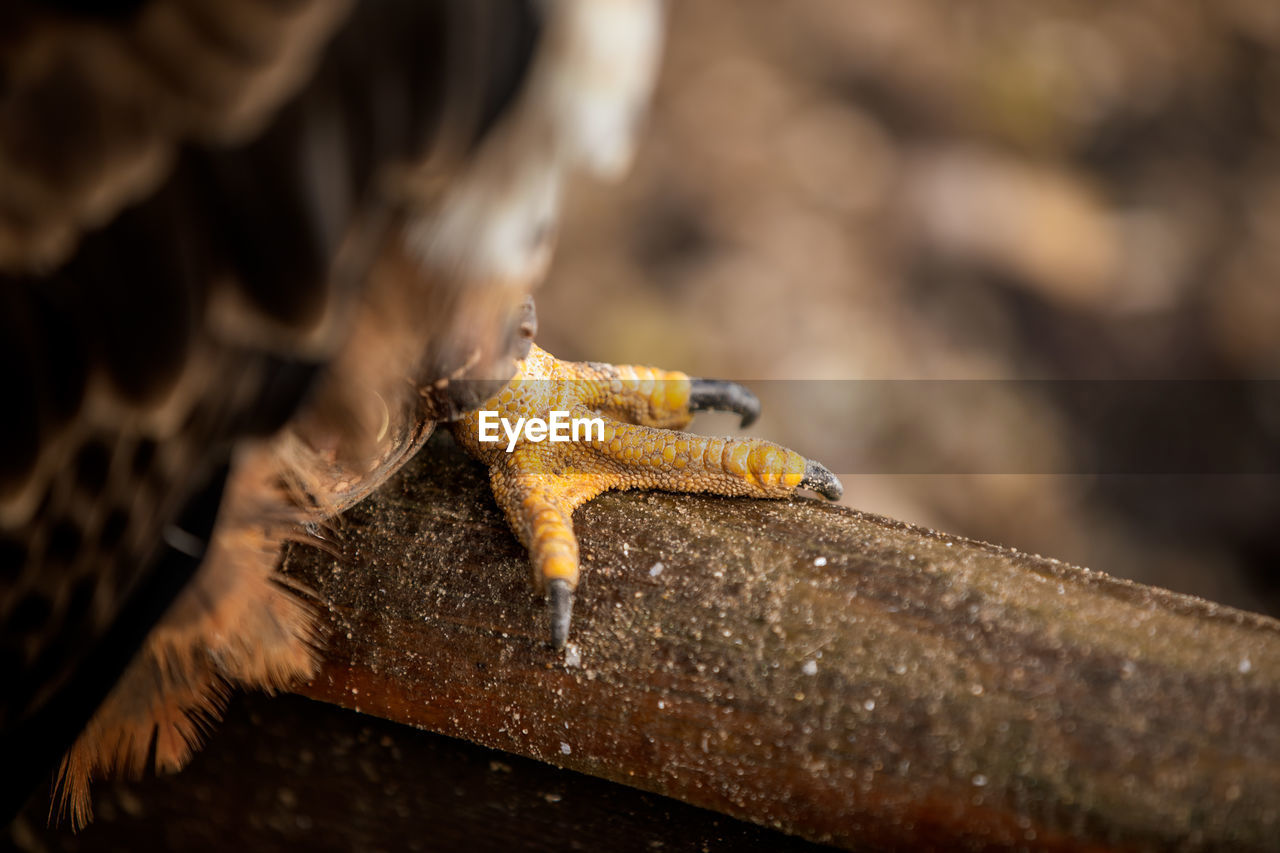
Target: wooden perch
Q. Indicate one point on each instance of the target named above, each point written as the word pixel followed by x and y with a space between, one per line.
pixel 844 677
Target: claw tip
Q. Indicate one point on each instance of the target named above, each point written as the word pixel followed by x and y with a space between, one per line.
pixel 822 481
pixel 724 396
pixel 560 603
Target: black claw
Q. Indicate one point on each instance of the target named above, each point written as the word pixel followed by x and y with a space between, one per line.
pixel 526 325
pixel 724 396
pixel 822 481
pixel 560 603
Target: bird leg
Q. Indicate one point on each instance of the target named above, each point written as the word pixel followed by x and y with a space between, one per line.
pixel 562 432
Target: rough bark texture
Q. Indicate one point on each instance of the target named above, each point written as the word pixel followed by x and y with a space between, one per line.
pixel 841 676
pixel 285 774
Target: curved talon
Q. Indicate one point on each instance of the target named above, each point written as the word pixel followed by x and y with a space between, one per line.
pixel 723 396
pixel 822 481
pixel 560 603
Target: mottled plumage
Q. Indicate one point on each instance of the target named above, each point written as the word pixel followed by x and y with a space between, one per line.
pixel 246 250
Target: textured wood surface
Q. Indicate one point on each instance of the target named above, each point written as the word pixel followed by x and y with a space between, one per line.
pixel 841 676
pixel 283 773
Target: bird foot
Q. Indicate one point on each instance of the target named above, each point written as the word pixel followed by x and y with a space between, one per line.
pixel 562 432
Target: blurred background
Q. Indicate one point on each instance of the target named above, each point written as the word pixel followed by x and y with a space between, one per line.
pixel 831 192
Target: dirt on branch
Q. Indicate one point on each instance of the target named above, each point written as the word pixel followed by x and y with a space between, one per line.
pixel 841 676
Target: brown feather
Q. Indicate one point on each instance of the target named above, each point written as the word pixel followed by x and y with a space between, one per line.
pixel 454 248
pixel 235 624
pixel 118 100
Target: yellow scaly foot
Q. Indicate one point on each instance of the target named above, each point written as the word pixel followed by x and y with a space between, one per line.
pixel 626 421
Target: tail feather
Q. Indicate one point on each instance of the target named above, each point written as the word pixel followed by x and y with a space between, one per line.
pixel 237 624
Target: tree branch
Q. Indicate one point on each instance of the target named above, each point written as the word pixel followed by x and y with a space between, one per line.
pixel 839 675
